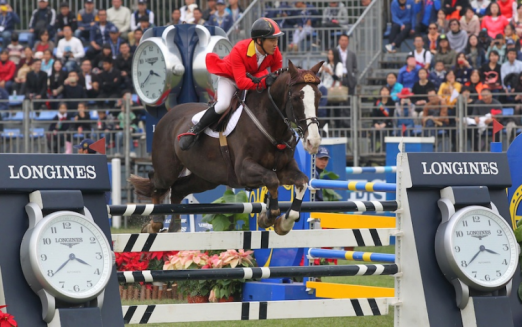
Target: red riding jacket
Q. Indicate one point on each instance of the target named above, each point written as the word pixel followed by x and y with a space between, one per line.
pixel 241 60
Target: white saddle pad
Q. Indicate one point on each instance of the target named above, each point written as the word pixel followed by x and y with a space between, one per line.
pixel 230 126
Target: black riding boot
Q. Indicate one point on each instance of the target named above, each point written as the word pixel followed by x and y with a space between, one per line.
pixel 186 140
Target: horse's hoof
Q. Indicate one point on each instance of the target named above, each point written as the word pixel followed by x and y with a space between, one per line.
pixel 152 227
pixel 283 226
pixel 264 221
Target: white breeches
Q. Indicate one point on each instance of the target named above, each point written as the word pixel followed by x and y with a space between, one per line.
pixel 225 91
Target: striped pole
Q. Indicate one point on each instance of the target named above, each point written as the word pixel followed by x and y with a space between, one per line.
pixel 371 170
pixel 169 209
pixel 251 273
pixel 353 186
pixel 351 255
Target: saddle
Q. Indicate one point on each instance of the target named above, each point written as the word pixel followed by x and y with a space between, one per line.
pixel 222 123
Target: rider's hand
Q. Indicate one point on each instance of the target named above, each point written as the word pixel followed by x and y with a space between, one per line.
pixel 270 79
pixel 255 80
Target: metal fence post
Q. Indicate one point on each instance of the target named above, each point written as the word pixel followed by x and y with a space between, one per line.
pixel 461 103
pixel 355 129
pixel 26 107
pixel 128 139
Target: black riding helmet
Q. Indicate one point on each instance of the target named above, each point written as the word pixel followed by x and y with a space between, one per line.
pixel 265 28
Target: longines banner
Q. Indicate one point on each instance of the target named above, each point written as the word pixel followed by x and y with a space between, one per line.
pixel 53 172
pixel 459 169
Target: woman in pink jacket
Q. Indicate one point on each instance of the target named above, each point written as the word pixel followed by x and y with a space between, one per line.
pixel 494 23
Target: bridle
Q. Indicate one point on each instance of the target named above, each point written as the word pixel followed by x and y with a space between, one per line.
pixel 298 131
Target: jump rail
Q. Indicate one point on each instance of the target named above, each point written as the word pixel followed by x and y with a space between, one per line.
pixel 353 186
pixel 371 170
pixel 168 209
pixel 351 255
pixel 256 273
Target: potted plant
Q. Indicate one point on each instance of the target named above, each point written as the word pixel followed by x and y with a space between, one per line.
pixel 229 222
pixel 196 291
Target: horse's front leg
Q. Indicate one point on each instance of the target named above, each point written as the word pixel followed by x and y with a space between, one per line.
pixel 292 176
pixel 252 174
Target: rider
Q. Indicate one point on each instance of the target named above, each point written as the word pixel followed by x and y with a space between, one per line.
pixel 252 56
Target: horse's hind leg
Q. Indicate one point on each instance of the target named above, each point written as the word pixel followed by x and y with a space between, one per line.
pixel 183 187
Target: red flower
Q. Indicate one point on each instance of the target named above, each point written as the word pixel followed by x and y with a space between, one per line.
pixel 7 320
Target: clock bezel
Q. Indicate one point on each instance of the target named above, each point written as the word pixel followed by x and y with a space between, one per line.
pixel 34 273
pixel 446 255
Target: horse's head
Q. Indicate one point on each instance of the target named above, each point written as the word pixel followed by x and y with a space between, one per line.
pixel 303 102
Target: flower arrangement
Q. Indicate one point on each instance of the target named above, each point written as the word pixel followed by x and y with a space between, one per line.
pixel 6 320
pixel 194 290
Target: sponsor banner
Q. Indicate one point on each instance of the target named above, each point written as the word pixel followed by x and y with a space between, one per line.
pixel 27 172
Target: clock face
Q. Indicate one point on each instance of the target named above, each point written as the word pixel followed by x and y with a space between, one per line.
pixel 73 256
pixel 149 72
pixel 484 247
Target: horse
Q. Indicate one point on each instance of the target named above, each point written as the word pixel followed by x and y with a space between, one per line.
pixel 260 149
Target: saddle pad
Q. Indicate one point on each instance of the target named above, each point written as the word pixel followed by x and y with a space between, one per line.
pixel 232 122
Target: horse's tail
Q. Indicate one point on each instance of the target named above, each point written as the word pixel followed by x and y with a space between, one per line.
pixel 145 186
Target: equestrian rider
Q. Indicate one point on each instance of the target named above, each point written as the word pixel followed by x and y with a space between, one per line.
pixel 252 56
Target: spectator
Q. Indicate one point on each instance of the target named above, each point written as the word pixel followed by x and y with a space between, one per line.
pixel 482 116
pixel 321 161
pixel 137 39
pixel 221 18
pixel 383 112
pixel 4 105
pixel 331 74
pixel 422 56
pixel 198 17
pixel 490 72
pixel 512 65
pixel 65 18
pixel 86 19
pixel 82 119
pixel 409 73
pixel 70 50
pixel 403 23
pixel 8 20
pixel 176 17
pixel 120 16
pixel 36 85
pixel 59 127
pixel 434 113
pixel 498 45
pixel 105 122
pixel 211 10
pixel 442 22
pixel 184 10
pixel 484 39
pixel 475 55
pixel 44 43
pixel 124 65
pixel 404 110
pixel 115 41
pixel 517 20
pixel 234 9
pixel 428 9
pixel 72 89
pixel 438 75
pixel 84 148
pixel 7 71
pixel 86 78
pixel 56 83
pixel 470 22
pixel 457 38
pixel 480 6
pixel 141 12
pixel 349 61
pixel 335 15
pixel 454 9
pixel 508 8
pixel 494 23
pixel 463 69
pixel 97 63
pixel 304 21
pixel 42 18
pixel 143 23
pixel 22 69
pixel 108 81
pixel 476 85
pixel 421 87
pixel 511 33
pixel 121 126
pixel 450 89
pixel 99 34
pixel 47 62
pixel 445 53
pixel 431 39
pixel 393 86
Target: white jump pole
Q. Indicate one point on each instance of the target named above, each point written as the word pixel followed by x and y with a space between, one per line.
pixel 116 189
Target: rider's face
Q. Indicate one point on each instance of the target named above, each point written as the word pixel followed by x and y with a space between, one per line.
pixel 270 45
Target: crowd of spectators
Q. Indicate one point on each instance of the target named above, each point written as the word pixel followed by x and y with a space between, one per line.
pixel 461 47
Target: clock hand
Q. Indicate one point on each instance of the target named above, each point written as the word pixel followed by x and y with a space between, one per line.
pixel 81 261
pixel 155 74
pixel 491 251
pixel 150 74
pixel 71 257
pixel 474 257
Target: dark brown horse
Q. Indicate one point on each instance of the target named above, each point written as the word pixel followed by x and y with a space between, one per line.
pixel 255 159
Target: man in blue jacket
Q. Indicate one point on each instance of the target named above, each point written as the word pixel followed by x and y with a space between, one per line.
pixel 403 23
pixel 409 74
pixel 8 20
pixel 221 17
pixel 99 34
pixel 428 10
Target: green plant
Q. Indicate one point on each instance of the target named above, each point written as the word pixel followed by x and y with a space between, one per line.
pixel 229 222
pixel 328 194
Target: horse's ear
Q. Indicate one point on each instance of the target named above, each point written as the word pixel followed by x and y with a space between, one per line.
pixel 315 69
pixel 291 68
